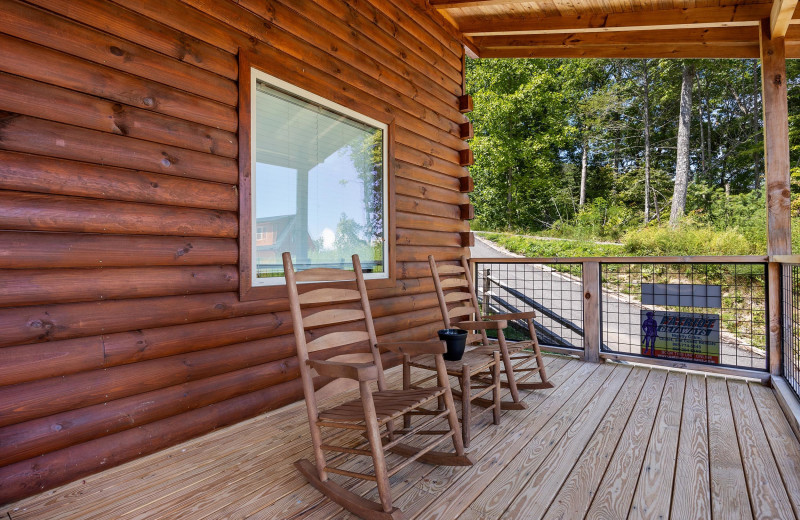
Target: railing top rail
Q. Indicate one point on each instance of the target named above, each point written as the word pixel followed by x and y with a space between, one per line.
pixel 786 259
pixel 751 259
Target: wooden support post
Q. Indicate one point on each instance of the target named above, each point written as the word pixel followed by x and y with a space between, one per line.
pixel 776 142
pixel 776 161
pixel 591 311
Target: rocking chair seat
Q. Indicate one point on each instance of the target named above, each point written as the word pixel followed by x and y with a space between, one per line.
pixel 494 345
pixel 476 360
pixel 389 405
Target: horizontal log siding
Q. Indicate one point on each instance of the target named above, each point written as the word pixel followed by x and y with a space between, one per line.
pixel 121 328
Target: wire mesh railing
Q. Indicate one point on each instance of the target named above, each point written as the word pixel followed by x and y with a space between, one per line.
pixel 701 312
pixel 696 310
pixel 790 362
pixel 553 290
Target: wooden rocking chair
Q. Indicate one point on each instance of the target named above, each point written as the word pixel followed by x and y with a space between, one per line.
pixel 336 344
pixel 460 308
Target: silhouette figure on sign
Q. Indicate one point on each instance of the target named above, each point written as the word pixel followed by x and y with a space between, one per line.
pixel 649 333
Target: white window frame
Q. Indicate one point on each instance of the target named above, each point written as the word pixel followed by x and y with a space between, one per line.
pixel 255 76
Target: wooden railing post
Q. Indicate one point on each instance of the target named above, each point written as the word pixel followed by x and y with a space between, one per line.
pixel 775 311
pixel 591 311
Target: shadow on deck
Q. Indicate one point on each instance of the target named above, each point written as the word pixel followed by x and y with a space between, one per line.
pixel 609 441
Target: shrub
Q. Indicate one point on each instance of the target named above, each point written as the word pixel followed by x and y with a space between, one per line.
pixel 691 241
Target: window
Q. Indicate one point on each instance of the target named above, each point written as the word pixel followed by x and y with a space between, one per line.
pixel 318 183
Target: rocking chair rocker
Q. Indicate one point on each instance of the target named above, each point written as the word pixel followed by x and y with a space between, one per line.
pixel 337 343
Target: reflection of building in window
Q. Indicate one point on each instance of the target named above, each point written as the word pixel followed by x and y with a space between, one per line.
pixel 276 235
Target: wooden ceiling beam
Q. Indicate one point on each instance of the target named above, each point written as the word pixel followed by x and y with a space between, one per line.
pixel 729 16
pixel 457 4
pixel 712 35
pixel 648 50
pixel 780 17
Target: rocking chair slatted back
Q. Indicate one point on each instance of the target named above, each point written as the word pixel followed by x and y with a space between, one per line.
pixel 329 341
pixel 451 283
pixel 451 269
pixel 324 274
pixel 337 339
pixel 332 317
pixel 328 295
pixel 457 298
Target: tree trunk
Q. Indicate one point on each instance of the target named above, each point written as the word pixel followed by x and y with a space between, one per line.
pixel 682 163
pixel 655 203
pixel 703 168
pixel 509 198
pixel 646 117
pixel 584 158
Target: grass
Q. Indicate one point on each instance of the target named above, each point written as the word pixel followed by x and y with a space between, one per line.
pixel 532 247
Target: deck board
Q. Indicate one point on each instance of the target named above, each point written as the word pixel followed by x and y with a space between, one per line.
pixel 728 500
pixel 496 497
pixel 653 495
pixel 691 496
pixel 782 439
pixel 607 441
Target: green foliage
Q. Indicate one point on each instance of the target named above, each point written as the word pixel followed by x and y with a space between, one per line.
pixel 545 248
pixel 521 125
pixel 348 235
pixel 599 218
pixel 689 241
pixel 793 87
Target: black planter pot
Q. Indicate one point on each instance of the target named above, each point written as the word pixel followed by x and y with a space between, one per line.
pixel 456 340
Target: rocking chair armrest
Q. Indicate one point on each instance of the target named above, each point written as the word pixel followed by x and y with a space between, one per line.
pixel 357 371
pixel 415 348
pixel 512 316
pixel 482 325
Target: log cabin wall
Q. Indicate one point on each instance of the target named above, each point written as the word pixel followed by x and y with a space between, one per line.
pixel 121 327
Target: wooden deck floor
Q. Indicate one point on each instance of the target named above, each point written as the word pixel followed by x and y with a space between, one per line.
pixel 609 441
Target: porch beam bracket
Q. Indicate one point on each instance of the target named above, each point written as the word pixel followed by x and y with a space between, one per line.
pixel 780 17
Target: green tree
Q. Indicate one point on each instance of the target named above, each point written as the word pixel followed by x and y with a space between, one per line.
pixel 521 127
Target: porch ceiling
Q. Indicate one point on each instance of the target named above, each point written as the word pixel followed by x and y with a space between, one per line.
pixel 620 28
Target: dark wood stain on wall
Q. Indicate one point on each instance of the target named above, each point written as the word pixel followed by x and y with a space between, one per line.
pixel 121 327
